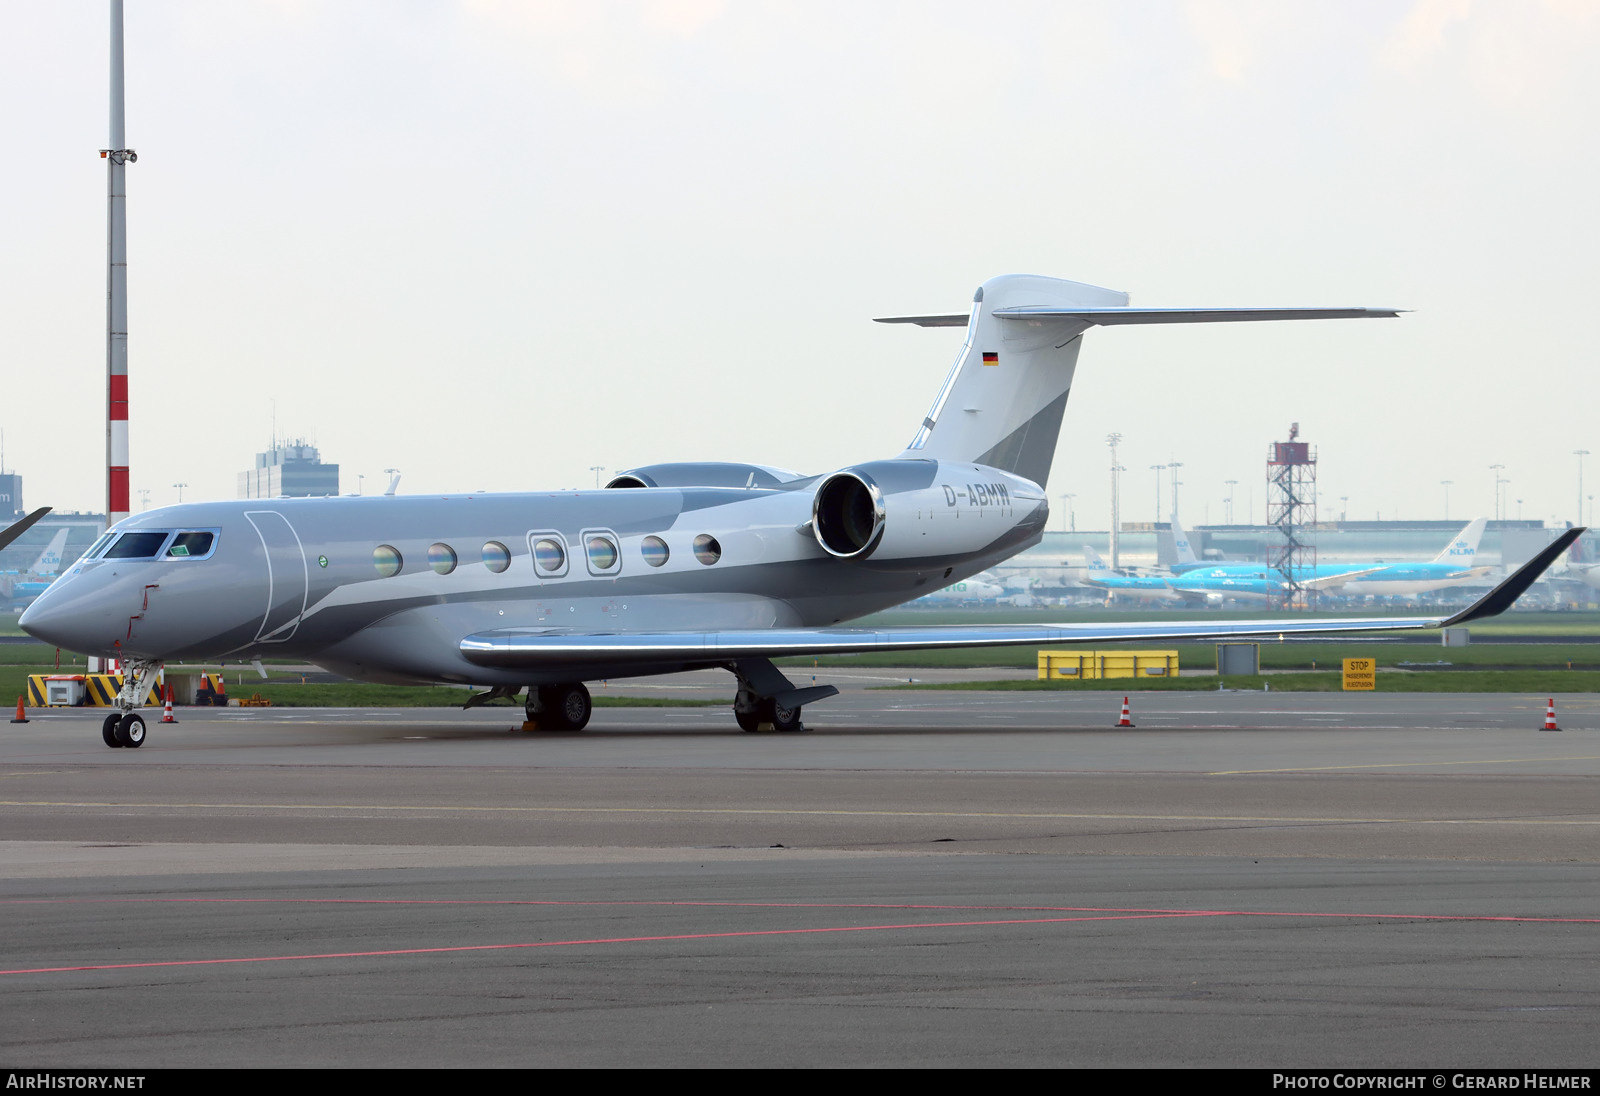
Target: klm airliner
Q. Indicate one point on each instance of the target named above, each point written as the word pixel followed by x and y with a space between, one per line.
pixel 1119 586
pixel 1454 566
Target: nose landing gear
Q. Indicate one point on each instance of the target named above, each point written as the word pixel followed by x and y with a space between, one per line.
pixel 125 727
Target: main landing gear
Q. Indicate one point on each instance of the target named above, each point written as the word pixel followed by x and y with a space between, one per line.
pixel 768 700
pixel 559 707
pixel 757 711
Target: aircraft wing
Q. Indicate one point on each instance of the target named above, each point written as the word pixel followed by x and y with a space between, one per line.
pixel 517 648
pixel 1325 581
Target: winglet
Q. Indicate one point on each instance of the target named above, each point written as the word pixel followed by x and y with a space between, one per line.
pixel 1499 599
pixel 16 529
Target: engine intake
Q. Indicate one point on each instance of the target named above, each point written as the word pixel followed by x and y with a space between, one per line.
pixel 847 515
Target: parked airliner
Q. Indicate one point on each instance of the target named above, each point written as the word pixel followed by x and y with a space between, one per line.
pixel 37 579
pixel 1119 586
pixel 980 587
pixel 1455 565
pixel 670 567
pixel 1196 587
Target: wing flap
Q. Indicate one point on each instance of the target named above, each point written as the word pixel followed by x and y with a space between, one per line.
pixel 509 649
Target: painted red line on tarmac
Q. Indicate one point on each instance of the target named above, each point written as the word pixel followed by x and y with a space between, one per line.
pixel 606 902
pixel 575 943
pixel 659 904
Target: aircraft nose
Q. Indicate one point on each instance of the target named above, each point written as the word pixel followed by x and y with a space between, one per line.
pixel 62 619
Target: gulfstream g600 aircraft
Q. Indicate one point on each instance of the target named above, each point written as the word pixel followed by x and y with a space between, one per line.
pixel 671 567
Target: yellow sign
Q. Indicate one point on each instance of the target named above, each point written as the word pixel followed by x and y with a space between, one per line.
pixel 1360 673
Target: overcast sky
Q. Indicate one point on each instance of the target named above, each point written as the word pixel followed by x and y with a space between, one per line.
pixel 493 244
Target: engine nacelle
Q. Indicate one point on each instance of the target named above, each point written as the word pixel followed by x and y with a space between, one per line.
pixel 905 512
pixel 703 474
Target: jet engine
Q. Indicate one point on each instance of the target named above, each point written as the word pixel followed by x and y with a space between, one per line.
pixel 901 513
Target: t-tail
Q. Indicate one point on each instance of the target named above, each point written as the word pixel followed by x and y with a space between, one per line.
pixel 1002 403
pixel 1462 551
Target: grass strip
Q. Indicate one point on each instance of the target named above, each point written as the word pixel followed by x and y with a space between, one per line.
pixel 1537 682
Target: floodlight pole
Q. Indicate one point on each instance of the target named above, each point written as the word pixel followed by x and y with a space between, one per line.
pixel 1580 454
pixel 1112 440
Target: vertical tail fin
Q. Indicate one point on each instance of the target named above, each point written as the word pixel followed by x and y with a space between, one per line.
pixel 1002 403
pixel 49 561
pixel 1180 542
pixel 1092 560
pixel 1462 551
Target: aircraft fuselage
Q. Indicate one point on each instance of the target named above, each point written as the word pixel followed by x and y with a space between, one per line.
pixel 385 588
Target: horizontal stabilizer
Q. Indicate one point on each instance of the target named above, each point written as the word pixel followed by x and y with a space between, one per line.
pixel 1113 317
pixel 928 321
pixel 542 648
pixel 1116 317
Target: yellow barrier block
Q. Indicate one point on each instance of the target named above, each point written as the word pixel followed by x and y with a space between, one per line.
pixel 1087 665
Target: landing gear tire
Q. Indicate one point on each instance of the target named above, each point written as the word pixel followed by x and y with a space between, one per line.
pixel 749 720
pixel 108 730
pixel 782 719
pixel 131 730
pixel 564 707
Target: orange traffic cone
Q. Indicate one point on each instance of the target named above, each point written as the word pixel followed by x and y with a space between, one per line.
pixel 166 716
pixel 1550 716
pixel 1127 716
pixel 222 694
pixel 22 713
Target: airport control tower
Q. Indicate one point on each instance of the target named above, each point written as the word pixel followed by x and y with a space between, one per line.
pixel 1292 507
pixel 289 468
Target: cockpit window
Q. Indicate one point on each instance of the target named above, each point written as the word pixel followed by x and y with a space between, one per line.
pixel 137 546
pixel 189 545
pixel 97 547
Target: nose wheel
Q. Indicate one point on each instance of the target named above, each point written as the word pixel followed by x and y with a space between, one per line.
pixel 121 730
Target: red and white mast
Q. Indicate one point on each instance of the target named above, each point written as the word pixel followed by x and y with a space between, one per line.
pixel 117 157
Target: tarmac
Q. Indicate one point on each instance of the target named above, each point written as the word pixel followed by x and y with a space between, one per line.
pixel 1266 880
